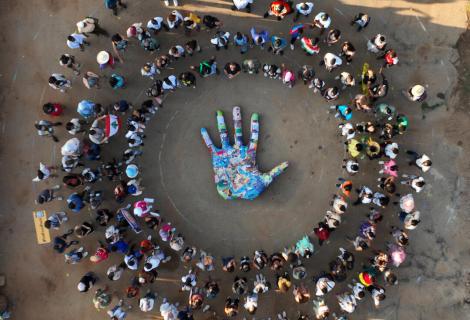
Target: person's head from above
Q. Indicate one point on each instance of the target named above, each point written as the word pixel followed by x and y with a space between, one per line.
pixel 391 279
pixel 349 78
pixel 332 61
pixel 71 38
pixel 370 234
pixel 419 184
pixel 363 245
pixel 116 37
pixel 92 132
pixel 47 224
pixel 336 223
pixel 380 296
pixel 72 205
pixel 427 163
pixel 53 80
pixel 232 66
pixel 359 147
pixel 395 150
pixel 147 67
pixel 350 131
pixel 172 17
pixel 354 167
pixel 154 21
pixel 174 50
pixel 113 81
pixel 69 126
pixel 342 208
pixel 373 149
pixel 324 17
pixel 382 38
pixel 304 6
pixel 403 240
pixel 280 8
pixel 361 294
pixel 64 59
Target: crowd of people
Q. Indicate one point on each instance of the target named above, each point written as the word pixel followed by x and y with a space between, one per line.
pixel 370 139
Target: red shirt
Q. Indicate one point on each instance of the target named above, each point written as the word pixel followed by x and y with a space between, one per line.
pixel 57 110
pixel 275 8
pixel 322 233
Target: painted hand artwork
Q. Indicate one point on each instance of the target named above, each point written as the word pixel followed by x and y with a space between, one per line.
pixel 236 174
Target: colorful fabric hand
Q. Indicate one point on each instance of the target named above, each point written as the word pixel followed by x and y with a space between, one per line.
pixel 236 174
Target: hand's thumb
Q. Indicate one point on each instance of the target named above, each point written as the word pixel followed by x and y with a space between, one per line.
pixel 277 170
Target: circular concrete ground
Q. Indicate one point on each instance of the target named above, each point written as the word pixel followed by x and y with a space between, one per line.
pixel 302 133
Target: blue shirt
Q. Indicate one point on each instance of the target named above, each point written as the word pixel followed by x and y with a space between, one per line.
pixel 79 38
pixel 86 108
pixel 342 110
pixel 77 200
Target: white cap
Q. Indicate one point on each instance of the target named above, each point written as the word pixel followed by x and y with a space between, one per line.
pixel 138 211
pixel 102 57
pixel 81 287
pixel 418 90
pixel 80 25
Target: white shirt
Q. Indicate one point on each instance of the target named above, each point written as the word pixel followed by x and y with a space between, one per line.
pixel 216 41
pixel 324 283
pixel 349 165
pixel 411 216
pixel 345 131
pixel 304 12
pixel 347 302
pixel 146 304
pixel 179 17
pixel 366 195
pixel 357 289
pixel 171 84
pixel 153 71
pixel 389 150
pixel 414 183
pixel 325 24
pixel 420 163
pixel 155 26
pixel 79 39
pixel 328 59
pixel 331 218
pixel 180 50
pixel 242 4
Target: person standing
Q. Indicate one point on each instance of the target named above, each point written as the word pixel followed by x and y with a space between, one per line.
pixel 304 9
pixel 68 61
pixel 90 25
pixel 86 282
pixel 91 80
pixel 242 4
pixel 56 220
pixel 77 41
pixel 113 5
pixel 58 81
pixel 46 128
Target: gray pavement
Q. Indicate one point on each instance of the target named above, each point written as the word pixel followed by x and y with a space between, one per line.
pixel 295 126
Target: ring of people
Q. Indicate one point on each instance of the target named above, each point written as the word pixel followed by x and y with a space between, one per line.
pixel 236 175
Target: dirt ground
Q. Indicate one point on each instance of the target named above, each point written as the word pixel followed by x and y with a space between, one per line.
pixel 433 45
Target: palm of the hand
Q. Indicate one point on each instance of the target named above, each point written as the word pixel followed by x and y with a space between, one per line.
pixel 236 174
